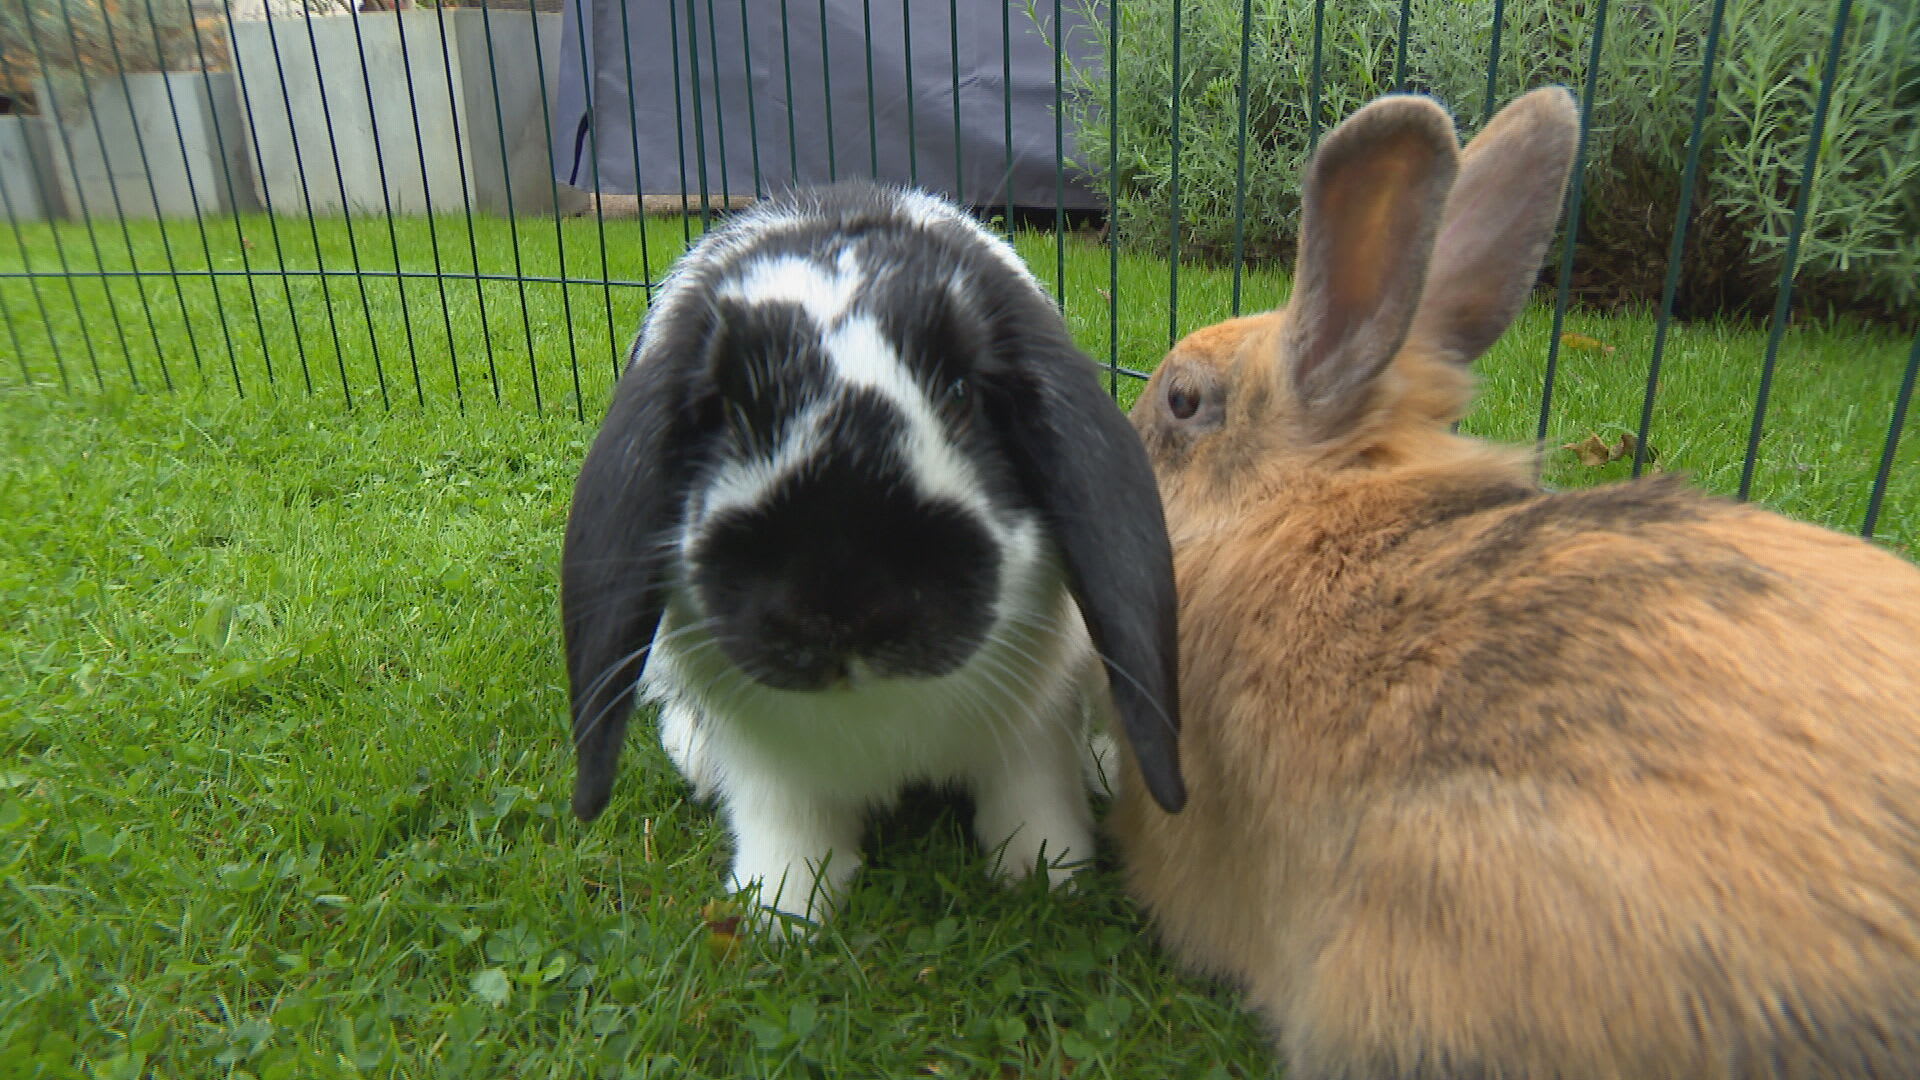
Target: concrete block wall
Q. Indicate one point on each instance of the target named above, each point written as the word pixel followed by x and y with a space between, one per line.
pixel 427 138
pixel 31 193
pixel 119 150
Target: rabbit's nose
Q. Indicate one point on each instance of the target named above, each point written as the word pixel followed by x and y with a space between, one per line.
pixel 799 667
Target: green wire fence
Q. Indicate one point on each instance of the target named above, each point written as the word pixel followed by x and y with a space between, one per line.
pixel 472 271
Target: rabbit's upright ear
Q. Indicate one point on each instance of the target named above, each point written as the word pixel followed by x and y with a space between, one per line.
pixel 1082 464
pixel 1497 223
pixel 620 536
pixel 1370 206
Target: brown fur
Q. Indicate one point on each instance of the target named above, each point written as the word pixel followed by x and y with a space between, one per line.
pixel 1490 782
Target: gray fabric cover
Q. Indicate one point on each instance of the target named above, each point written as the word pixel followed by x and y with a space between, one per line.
pixel 728 108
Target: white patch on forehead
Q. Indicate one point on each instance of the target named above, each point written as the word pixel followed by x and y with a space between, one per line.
pixel 743 482
pixel 862 356
pixel 691 273
pixel 927 210
pixel 824 293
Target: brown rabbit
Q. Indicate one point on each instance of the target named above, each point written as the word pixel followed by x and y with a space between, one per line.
pixel 1490 782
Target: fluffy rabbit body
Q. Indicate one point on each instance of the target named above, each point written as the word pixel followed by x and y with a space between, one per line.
pixel 1486 781
pixel 866 502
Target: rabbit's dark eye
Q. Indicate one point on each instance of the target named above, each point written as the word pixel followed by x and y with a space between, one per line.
pixel 1182 401
pixel 957 391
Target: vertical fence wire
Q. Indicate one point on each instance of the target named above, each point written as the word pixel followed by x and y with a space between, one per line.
pixel 1400 45
pixel 233 194
pixel 466 206
pixel 906 52
pixel 1313 75
pixel 679 123
pixel 793 131
pixel 433 227
pixel 386 200
pixel 633 130
pixel 873 125
pixel 1789 263
pixel 753 109
pixel 1676 248
pixel 346 205
pixel 719 106
pixel 1493 61
pixel 1894 441
pixel 1173 191
pixel 1006 100
pixel 953 58
pixel 1113 198
pixel 1059 165
pixel 1240 163
pixel 699 119
pixel 1885 470
pixel 313 224
pixel 826 92
pixel 513 218
pixel 587 103
pixel 1572 234
pixel 266 198
pixel 559 233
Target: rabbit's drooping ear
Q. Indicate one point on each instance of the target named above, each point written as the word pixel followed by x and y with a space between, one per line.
pixel 620 533
pixel 1370 206
pixel 1082 464
pixel 1497 224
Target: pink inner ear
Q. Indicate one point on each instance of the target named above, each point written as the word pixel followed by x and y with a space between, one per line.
pixel 1373 205
pixel 1369 231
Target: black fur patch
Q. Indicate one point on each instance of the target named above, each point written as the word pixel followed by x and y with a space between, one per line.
pixel 1446 506
pixel 1450 504
pixel 764 359
pixel 1614 508
pixel 844 560
pixel 1539 647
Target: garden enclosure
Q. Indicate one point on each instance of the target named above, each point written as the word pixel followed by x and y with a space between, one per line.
pixel 438 203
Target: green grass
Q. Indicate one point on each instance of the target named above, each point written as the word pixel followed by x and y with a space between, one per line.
pixel 283 763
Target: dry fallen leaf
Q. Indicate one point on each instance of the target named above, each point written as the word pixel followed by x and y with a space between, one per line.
pixel 723 927
pixel 1593 451
pixel 1583 343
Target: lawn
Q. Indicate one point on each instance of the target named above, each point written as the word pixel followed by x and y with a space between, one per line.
pixel 283 766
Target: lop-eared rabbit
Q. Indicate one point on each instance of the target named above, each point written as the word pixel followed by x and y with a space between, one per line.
pixel 1488 782
pixel 861 514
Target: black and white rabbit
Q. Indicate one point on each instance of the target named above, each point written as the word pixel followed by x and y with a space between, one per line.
pixel 867 503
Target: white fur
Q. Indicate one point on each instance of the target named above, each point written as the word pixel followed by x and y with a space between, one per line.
pixel 797 773
pixel 742 482
pixel 824 293
pixel 926 209
pixel 862 357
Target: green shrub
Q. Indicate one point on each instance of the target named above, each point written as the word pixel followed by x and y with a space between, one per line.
pixel 1861 249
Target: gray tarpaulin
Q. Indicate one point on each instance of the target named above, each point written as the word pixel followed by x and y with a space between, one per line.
pixel 688 82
